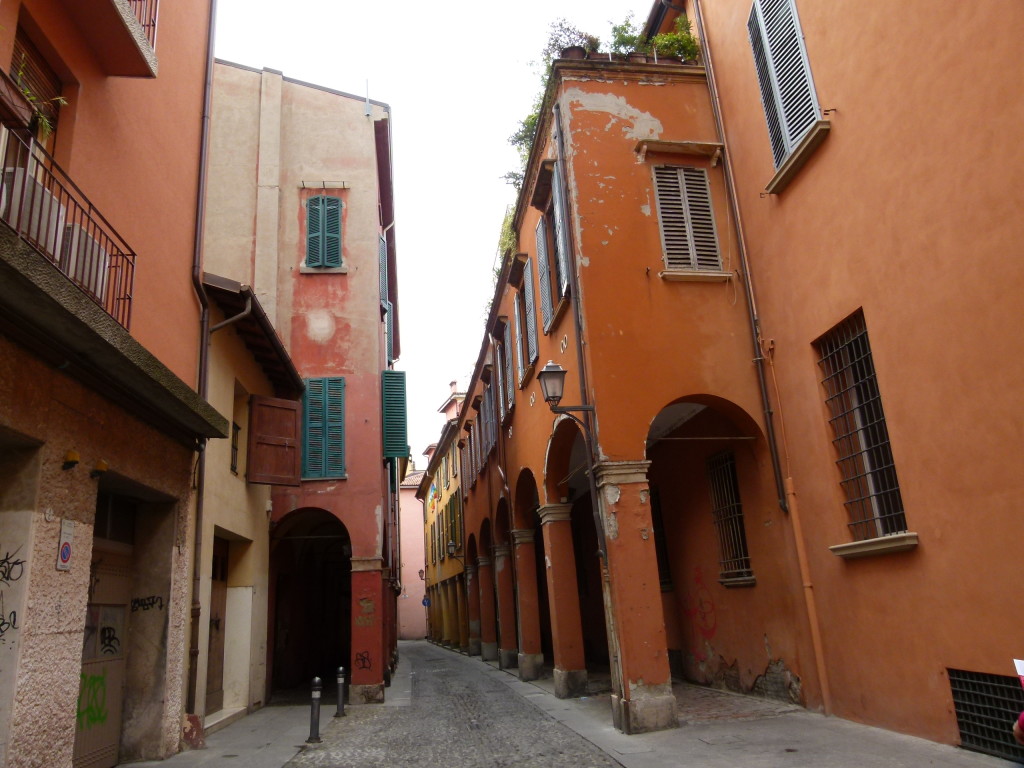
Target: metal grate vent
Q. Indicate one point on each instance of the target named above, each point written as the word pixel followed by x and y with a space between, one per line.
pixel 986 708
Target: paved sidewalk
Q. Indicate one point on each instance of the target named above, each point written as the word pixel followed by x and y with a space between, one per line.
pixel 448 724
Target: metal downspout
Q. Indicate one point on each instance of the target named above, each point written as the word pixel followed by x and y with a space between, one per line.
pixel 784 487
pixel 204 354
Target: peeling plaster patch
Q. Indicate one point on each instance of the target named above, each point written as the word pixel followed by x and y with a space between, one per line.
pixel 644 495
pixel 585 261
pixel 645 210
pixel 319 326
pixel 611 526
pixel 547 561
pixel 612 494
pixel 634 123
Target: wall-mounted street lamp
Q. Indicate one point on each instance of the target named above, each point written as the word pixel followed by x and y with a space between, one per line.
pixel 451 553
pixel 552 386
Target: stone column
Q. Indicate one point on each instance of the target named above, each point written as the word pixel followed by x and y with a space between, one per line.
pixel 643 700
pixel 570 673
pixel 488 637
pixel 463 627
pixel 367 663
pixel 473 605
pixel 531 657
pixel 446 613
pixel 508 652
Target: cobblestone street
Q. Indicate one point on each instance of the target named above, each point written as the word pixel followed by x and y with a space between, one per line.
pixel 457 716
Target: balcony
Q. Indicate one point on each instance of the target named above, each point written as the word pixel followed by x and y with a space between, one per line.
pixel 121 33
pixel 49 212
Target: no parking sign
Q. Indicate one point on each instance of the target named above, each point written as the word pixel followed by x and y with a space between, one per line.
pixel 64 548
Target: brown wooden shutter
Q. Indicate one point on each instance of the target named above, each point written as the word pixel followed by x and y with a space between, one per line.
pixel 274 441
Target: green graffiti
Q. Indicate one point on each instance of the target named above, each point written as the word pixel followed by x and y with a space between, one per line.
pixel 92 701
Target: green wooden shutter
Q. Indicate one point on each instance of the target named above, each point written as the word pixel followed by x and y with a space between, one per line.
pixel 543 267
pixel 332 232
pixel 323 428
pixel 315 232
pixel 313 429
pixel 393 408
pixel 510 388
pixel 334 448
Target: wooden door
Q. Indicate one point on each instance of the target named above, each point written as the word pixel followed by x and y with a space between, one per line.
pixel 218 611
pixel 101 686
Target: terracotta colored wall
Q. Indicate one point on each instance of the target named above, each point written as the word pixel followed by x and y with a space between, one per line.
pixel 910 211
pixel 132 146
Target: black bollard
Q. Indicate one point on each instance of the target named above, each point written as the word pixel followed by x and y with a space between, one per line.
pixel 314 712
pixel 341 693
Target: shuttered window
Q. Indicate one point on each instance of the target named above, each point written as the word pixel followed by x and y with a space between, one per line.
pixel 389 331
pixel 500 353
pixel 783 73
pixel 688 235
pixel 382 269
pixel 323 231
pixel 543 274
pixel 531 315
pixel 510 388
pixel 273 447
pixel 323 428
pixel 561 220
pixel 396 435
pixel 520 352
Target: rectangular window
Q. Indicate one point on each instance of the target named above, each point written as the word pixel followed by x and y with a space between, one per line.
pixel 510 387
pixel 734 562
pixel 783 73
pixel 235 432
pixel 323 231
pixel 688 235
pixel 867 471
pixel 394 414
pixel 323 428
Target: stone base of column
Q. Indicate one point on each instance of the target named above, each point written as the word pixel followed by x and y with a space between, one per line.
pixel 570 683
pixel 650 708
pixel 366 694
pixel 531 665
pixel 489 651
pixel 508 658
pixel 474 646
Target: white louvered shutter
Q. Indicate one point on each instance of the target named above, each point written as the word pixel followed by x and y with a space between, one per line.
pixel 531 315
pixel 543 267
pixel 688 233
pixel 783 73
pixel 520 359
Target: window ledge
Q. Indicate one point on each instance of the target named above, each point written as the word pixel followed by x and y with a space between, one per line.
pixel 342 270
pixel 556 314
pixel 798 157
pixel 883 545
pixel 687 276
pixel 739 581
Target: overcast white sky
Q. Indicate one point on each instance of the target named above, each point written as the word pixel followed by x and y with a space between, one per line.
pixel 458 77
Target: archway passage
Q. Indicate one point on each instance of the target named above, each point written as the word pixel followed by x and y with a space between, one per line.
pixel 310 601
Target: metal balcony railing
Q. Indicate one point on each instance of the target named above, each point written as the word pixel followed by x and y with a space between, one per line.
pixel 48 210
pixel 146 12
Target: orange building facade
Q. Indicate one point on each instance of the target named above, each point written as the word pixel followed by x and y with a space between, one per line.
pixel 721 498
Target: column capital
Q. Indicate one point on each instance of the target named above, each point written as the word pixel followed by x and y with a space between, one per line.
pixel 522 535
pixel 470 570
pixel 554 513
pixel 620 472
pixel 483 562
pixel 501 550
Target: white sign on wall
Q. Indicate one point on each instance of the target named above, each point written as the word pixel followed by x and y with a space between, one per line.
pixel 64 548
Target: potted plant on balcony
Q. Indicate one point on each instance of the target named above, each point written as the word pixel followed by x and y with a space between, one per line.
pixel 677 45
pixel 628 42
pixel 568 42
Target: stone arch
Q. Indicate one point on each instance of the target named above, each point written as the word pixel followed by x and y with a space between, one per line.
pixel 310 598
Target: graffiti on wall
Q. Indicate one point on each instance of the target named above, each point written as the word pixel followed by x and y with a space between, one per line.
pixel 8 621
pixel 363 660
pixel 12 568
pixel 147 603
pixel 92 700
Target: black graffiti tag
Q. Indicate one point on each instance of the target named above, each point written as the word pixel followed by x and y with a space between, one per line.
pixel 146 603
pixel 109 642
pixel 12 568
pixel 363 660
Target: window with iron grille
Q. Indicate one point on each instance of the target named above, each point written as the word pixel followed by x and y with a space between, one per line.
pixel 734 562
pixel 235 432
pixel 783 73
pixel 867 471
pixel 986 707
pixel 688 236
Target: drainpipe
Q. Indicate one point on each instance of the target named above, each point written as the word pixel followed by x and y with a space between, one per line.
pixel 204 353
pixel 784 488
